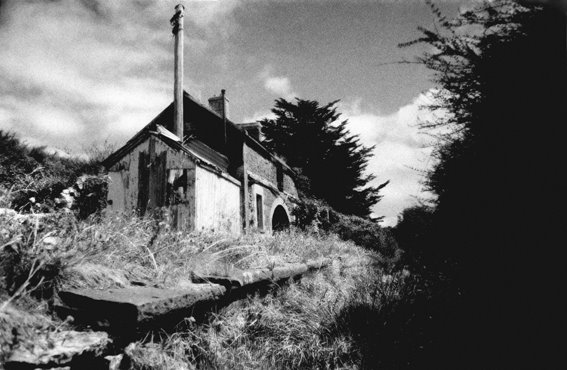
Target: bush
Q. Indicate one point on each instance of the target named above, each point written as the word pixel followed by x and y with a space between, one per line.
pixel 32 255
pixel 316 216
pixel 34 180
pixel 414 233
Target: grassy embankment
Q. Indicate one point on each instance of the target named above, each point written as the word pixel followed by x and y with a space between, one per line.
pixel 328 319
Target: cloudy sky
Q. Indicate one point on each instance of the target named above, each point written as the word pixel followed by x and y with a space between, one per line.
pixel 74 73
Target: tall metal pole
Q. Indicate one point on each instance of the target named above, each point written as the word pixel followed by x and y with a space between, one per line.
pixel 177 23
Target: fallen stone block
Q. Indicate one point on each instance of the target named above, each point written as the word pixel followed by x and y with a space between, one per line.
pixel 318 263
pixel 289 271
pixel 137 305
pixel 238 278
pixel 255 276
pixel 59 349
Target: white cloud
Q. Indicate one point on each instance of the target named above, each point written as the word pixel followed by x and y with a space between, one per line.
pixel 277 85
pixel 401 154
pixel 257 116
pixel 99 68
pixel 54 122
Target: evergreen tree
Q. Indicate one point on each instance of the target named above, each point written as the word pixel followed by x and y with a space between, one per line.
pixel 315 142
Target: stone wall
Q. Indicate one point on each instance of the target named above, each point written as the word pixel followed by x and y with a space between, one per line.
pixel 289 185
pixel 263 174
pixel 260 165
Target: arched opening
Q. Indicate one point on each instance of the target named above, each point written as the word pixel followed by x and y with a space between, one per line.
pixel 280 220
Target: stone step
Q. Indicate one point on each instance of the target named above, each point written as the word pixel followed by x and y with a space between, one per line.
pixel 137 305
pixel 134 307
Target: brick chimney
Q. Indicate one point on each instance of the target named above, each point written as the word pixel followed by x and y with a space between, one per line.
pixel 177 24
pixel 219 104
pixel 254 129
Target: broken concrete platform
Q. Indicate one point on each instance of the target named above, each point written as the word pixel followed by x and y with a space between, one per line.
pixel 127 309
pixel 137 305
pixel 240 278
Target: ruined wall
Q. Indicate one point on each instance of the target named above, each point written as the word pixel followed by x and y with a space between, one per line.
pixel 217 202
pixel 199 198
pixel 124 187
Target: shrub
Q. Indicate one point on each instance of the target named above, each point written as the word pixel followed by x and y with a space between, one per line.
pixel 316 216
pixel 34 180
pixel 32 255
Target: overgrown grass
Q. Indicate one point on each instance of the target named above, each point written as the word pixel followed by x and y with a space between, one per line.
pixel 329 320
pixel 302 325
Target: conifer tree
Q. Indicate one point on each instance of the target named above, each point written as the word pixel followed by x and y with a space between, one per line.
pixel 313 140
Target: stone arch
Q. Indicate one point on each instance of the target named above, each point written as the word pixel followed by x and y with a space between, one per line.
pixel 279 216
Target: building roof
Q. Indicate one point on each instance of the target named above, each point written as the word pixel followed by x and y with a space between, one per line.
pixel 173 142
pixel 202 128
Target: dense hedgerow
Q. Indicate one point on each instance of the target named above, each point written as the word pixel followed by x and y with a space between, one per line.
pixel 311 214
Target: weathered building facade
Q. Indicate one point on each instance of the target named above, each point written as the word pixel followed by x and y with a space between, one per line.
pixel 206 171
pixel 219 178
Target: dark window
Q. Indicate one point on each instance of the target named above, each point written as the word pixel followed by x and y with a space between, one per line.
pixel 176 186
pixel 280 176
pixel 260 211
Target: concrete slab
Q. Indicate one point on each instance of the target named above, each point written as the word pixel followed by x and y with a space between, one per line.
pixel 128 308
pixel 136 305
pixel 237 278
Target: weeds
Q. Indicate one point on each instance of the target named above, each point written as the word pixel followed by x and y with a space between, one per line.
pixel 327 320
pixel 319 322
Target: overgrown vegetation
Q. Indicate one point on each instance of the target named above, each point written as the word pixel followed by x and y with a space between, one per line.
pixel 311 323
pixel 314 215
pixel 303 325
pixel 34 180
pixel 329 321
pixel 500 74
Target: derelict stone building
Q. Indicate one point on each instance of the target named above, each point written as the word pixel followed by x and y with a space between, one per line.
pixel 209 173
